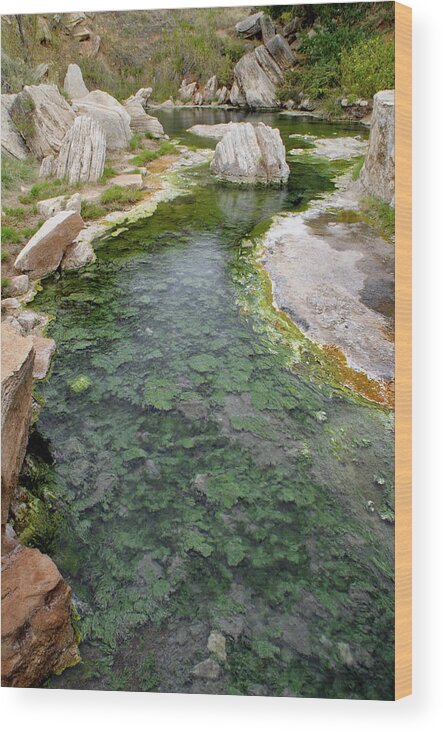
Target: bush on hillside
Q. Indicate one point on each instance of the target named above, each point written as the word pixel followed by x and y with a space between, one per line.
pixel 368 67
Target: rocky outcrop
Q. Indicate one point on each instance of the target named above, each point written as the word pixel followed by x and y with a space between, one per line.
pixel 216 132
pixel 74 85
pixel 222 95
pixel 210 89
pixel 44 251
pixel 47 167
pixel 378 172
pixel 187 91
pixel 142 96
pixel 43 117
pixel 252 86
pixel 143 123
pixel 37 634
pixel 258 73
pixel 17 286
pixel 44 349
pixel 17 366
pixel 250 26
pixel 12 141
pixel 111 115
pixel 83 152
pixel 248 154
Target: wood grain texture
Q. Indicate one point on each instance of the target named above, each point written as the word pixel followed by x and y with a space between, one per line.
pixel 403 351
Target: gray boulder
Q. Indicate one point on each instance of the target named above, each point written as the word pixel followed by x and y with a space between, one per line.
pixel 210 89
pixel 269 66
pixel 44 251
pixel 267 28
pixel 43 117
pixel 74 85
pixel 252 86
pixel 141 122
pixel 378 172
pixel 47 167
pixel 248 154
pixel 280 51
pixel 187 91
pixel 250 26
pixel 83 152
pixel 142 96
pixel 12 141
pixel 111 115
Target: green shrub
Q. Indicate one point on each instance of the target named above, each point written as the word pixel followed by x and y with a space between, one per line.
pixel 10 235
pixel 44 189
pixel 14 214
pixel 15 172
pixel 146 156
pixel 108 172
pixel 5 282
pixel 380 215
pixel 92 211
pixel 120 195
pixel 135 142
pixel 368 67
pixel 5 255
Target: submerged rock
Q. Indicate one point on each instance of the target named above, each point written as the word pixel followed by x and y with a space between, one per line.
pixel 249 154
pixel 43 118
pixel 44 251
pixel 37 634
pixel 44 350
pixel 378 172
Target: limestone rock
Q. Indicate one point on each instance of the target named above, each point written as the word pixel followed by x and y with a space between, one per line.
pixel 74 85
pixel 83 152
pixel 142 122
pixel 210 89
pixel 30 321
pixel 187 91
pixel 208 669
pixel 47 167
pixel 111 115
pixel 217 644
pixel 254 87
pixel 280 51
pixel 44 251
pixel 43 118
pixel 267 28
pixel 250 26
pixel 44 350
pixel 12 141
pixel 78 255
pixel 269 65
pixel 222 95
pixel 40 72
pixel 17 366
pixel 142 96
pixel 248 154
pixel 37 635
pixel 215 132
pixel 167 104
pixel 74 203
pixel 17 286
pixel 198 99
pixel 378 172
pixel 50 206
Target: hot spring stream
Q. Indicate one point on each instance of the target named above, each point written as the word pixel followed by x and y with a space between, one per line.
pixel 195 481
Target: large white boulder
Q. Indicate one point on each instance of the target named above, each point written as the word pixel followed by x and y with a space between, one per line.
pixel 74 85
pixel 12 141
pixel 210 89
pixel 252 86
pixel 43 117
pixel 378 172
pixel 44 251
pixel 111 115
pixel 83 152
pixel 251 154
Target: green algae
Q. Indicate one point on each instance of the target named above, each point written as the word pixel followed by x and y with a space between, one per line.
pixel 190 376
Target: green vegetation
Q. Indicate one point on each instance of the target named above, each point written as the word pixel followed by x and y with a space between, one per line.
pixel 380 215
pixel 92 211
pixel 10 235
pixel 45 189
pixel 349 52
pixel 15 172
pixel 120 195
pixel 108 172
pixel 5 282
pixel 147 156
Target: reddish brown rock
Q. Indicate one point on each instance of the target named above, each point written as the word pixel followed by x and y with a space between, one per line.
pixel 37 634
pixel 44 251
pixel 17 367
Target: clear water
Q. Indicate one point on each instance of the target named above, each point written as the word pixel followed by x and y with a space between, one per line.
pixel 199 483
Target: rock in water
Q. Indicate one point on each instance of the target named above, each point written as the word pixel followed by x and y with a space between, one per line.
pixel 83 152
pixel 43 118
pixel 142 122
pixel 12 141
pixel 17 365
pixel 112 116
pixel 43 253
pixel 74 85
pixel 37 635
pixel 378 172
pixel 248 154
